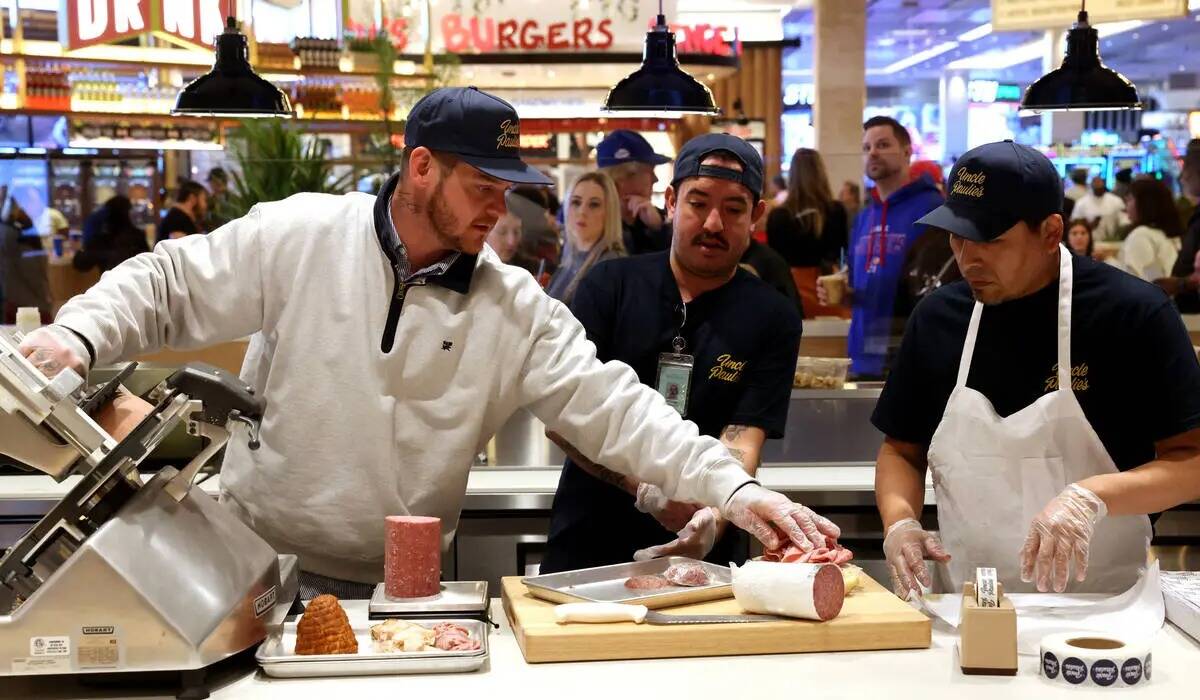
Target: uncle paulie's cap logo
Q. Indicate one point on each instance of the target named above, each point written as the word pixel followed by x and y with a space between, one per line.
pixel 968 183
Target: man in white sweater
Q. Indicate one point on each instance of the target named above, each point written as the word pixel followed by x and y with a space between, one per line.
pixel 390 345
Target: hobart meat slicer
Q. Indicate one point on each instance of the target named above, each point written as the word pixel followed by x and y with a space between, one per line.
pixel 123 576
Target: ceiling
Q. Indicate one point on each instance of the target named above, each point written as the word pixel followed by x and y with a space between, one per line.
pixel 913 40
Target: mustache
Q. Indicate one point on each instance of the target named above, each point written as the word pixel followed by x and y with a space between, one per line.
pixel 711 239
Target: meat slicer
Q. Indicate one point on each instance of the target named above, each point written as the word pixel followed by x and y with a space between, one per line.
pixel 124 576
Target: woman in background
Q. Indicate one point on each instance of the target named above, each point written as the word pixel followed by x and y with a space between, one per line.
pixel 810 229
pixel 593 232
pixel 1078 238
pixel 1150 249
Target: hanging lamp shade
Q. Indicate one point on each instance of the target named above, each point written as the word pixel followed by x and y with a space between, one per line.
pixel 232 88
pixel 1082 82
pixel 660 85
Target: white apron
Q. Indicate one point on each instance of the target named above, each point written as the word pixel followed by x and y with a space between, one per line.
pixel 994 475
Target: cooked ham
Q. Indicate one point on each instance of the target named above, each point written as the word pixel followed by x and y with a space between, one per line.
pixel 452 637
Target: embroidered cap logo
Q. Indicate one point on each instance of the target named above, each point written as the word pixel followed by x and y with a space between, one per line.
pixel 510 135
pixel 969 184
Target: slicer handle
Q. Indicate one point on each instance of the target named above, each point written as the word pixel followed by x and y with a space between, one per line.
pixel 220 392
pixel 599 612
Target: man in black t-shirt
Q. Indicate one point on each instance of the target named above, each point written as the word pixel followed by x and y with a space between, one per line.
pixel 191 206
pixel 1031 479
pixel 742 338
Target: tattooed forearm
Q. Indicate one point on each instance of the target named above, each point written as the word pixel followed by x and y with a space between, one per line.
pixel 733 432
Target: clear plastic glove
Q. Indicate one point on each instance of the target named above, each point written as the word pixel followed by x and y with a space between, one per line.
pixel 51 349
pixel 907 545
pixel 673 515
pixel 1060 534
pixel 764 514
pixel 695 540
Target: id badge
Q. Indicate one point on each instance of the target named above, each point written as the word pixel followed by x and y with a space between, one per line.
pixel 675 379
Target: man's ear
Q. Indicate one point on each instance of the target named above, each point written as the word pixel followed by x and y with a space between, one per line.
pixel 759 210
pixel 421 164
pixel 670 196
pixel 1052 231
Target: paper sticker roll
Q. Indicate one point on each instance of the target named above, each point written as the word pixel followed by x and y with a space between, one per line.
pixel 986 594
pixel 1092 660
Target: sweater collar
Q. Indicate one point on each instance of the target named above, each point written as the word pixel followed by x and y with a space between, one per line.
pixel 457 278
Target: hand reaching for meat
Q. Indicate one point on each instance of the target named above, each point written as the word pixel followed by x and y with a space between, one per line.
pixel 906 547
pixel 695 540
pixel 765 514
pixel 673 515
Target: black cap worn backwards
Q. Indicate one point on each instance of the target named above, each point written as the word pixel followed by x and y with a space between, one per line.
pixel 995 186
pixel 693 153
pixel 481 129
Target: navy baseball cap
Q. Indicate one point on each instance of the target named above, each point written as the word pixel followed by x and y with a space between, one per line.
pixel 995 186
pixel 625 146
pixel 481 129
pixel 693 153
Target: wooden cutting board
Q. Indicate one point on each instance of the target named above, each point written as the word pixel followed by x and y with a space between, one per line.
pixel 872 618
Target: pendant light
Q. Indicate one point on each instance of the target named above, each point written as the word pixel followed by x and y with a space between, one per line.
pixel 1082 82
pixel 660 87
pixel 232 88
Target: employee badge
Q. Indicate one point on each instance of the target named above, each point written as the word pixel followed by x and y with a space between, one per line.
pixel 674 379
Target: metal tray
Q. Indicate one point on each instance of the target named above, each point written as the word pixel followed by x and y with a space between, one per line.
pixel 277 660
pixel 606 584
pixel 457 599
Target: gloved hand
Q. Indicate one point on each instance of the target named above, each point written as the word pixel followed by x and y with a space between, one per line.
pixel 673 515
pixel 695 540
pixel 906 546
pixel 53 348
pixel 1062 532
pixel 764 513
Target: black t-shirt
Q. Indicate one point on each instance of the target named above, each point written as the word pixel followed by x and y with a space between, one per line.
pixel 176 220
pixel 1132 365
pixel 771 268
pixel 744 337
pixel 792 236
pixel 640 239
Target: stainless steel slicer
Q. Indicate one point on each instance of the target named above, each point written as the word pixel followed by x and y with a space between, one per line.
pixel 121 575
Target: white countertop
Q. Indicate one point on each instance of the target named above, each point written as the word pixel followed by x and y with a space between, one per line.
pixel 924 674
pixel 520 481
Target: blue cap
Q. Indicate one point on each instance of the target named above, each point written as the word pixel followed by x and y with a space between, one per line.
pixel 481 129
pixel 625 146
pixel 693 153
pixel 995 186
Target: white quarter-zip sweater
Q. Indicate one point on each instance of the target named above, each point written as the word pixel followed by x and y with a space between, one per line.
pixel 379 396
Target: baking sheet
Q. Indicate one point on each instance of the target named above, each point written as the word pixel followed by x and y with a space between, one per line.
pixel 277 659
pixel 606 584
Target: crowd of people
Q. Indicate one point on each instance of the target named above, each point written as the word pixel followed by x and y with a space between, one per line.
pixel 109 237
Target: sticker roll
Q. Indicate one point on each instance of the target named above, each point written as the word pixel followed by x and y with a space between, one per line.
pixel 986 593
pixel 1088 659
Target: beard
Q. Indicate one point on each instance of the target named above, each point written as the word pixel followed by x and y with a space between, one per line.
pixel 445 225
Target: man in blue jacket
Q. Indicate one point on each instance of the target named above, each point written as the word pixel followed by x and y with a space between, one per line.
pixel 880 242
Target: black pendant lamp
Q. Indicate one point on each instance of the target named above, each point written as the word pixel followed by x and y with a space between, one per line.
pixel 1082 82
pixel 660 86
pixel 232 88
